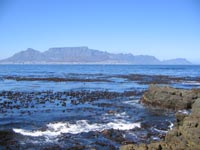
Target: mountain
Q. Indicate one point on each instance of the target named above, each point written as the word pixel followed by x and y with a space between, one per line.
pixel 75 54
pixel 177 61
pixel 84 55
pixel 30 55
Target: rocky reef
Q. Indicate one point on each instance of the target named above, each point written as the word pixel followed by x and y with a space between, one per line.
pixel 186 133
pixel 171 98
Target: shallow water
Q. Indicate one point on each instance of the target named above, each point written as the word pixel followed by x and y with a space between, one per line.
pixel 95 107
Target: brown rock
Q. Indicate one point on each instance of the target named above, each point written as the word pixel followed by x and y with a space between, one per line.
pixel 186 133
pixel 168 97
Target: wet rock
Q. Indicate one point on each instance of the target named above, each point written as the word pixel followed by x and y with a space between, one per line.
pixel 56 147
pixel 77 147
pixel 113 135
pixel 111 112
pixel 5 136
pixel 168 97
pixel 7 140
pixel 64 104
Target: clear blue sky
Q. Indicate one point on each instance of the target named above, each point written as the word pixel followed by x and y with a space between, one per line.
pixel 163 28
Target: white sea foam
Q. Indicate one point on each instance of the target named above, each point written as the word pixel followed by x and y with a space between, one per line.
pixel 131 102
pixel 56 129
pixel 186 112
pixel 121 115
pixel 160 131
pixel 171 125
pixel 191 83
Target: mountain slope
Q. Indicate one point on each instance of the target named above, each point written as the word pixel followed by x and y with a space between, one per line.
pixel 30 55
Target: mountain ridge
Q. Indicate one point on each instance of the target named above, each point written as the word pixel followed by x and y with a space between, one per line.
pixel 85 55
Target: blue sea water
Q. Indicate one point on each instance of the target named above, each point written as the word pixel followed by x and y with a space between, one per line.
pixel 85 72
pixel 59 70
pixel 42 124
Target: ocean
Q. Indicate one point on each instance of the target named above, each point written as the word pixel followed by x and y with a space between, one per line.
pixel 85 106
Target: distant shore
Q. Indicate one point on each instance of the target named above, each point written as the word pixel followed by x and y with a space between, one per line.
pixel 100 63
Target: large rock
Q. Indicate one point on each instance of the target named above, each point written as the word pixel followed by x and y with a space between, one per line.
pixel 168 97
pixel 186 133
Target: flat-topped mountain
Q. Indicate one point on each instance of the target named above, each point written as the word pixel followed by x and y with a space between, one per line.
pixel 84 55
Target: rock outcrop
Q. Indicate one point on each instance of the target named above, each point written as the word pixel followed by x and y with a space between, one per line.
pixel 186 133
pixel 171 98
pixel 184 136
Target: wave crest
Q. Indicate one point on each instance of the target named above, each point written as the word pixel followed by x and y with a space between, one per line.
pixel 56 129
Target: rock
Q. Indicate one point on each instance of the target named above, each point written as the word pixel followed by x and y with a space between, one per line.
pixel 7 140
pixel 186 133
pixel 77 147
pixel 168 97
pixel 111 112
pixel 114 135
pixel 134 147
pixel 196 108
pixel 179 118
pixel 56 147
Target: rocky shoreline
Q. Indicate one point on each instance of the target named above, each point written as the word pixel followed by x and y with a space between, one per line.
pixel 23 104
pixel 185 135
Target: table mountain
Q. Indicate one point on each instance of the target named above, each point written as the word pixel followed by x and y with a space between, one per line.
pixel 83 55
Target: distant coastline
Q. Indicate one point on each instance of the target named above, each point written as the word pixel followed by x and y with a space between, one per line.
pixel 99 64
pixel 85 55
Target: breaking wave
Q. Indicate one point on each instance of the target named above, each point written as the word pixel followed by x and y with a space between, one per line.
pixel 56 129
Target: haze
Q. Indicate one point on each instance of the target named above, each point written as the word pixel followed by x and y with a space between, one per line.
pixel 165 29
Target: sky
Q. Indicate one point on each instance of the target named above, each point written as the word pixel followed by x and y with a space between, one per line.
pixel 162 28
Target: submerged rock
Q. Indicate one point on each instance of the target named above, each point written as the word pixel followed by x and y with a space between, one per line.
pixel 7 140
pixel 186 133
pixel 168 97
